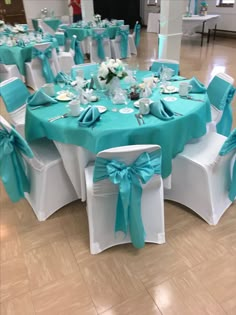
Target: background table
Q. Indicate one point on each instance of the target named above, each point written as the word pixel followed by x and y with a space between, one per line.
pixel 116 129
pixel 190 23
pixel 52 22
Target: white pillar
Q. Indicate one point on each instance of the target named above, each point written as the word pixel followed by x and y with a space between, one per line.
pixel 169 42
pixel 87 10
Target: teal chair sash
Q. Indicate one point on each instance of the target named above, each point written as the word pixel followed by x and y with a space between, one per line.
pixel 128 177
pixel 9 92
pixel 123 42
pixel 78 57
pixel 12 170
pixel 137 29
pixel 221 93
pixel 157 67
pixel 99 38
pixel 228 146
pixel 44 56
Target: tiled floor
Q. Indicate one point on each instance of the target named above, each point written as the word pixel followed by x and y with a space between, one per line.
pixel 46 268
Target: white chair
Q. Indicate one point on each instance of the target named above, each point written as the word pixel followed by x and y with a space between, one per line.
pixel 119 41
pixel 102 201
pixel 220 92
pixel 153 23
pixel 9 71
pixel 15 106
pixel 169 63
pixel 50 187
pixel 132 37
pixel 34 75
pixel 65 19
pixel 200 178
pixel 97 52
pixel 66 58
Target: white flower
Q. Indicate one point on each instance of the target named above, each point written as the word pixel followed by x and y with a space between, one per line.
pixel 103 70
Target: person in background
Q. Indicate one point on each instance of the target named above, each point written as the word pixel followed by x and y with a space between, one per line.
pixel 76 6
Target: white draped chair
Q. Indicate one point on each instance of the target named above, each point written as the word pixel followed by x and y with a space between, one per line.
pixel 50 187
pixel 9 71
pixel 100 47
pixel 145 220
pixel 46 56
pixel 201 177
pixel 120 48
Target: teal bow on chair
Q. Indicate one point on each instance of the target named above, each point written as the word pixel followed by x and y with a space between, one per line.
pixel 99 38
pixel 123 42
pixel 228 146
pixel 12 170
pixel 128 177
pixel 44 56
pixel 137 29
pixel 78 57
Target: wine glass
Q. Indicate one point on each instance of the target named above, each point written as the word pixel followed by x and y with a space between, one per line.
pixel 126 109
pixel 61 82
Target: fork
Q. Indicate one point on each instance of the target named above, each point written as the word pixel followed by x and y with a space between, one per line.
pixel 188 97
pixel 58 117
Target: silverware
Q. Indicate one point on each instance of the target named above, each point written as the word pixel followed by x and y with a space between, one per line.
pixel 178 114
pixel 58 117
pixel 137 117
pixel 188 97
pixel 140 119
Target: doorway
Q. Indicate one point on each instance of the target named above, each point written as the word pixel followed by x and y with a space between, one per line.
pixel 12 11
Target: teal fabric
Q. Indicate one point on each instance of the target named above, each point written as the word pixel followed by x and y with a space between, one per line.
pixel 197 86
pixel 116 129
pixel 44 56
pixel 52 22
pixel 229 146
pixel 62 76
pixel 221 94
pixel 88 70
pixel 124 34
pixel 9 93
pixel 99 38
pixel 81 33
pixel 129 178
pixel 137 30
pixel 40 98
pixel 12 170
pixel 78 57
pixel 60 39
pixel 88 117
pixel 161 110
pixel 157 67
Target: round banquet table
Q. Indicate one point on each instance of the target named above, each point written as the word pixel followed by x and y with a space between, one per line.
pixel 117 129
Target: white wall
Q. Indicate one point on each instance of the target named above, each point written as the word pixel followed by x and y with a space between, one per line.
pixel 228 16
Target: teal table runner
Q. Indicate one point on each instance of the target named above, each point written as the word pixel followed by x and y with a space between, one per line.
pixel 116 129
pixel 52 22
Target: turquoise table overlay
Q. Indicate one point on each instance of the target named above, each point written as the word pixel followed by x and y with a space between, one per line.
pixel 116 129
pixel 83 32
pixel 52 22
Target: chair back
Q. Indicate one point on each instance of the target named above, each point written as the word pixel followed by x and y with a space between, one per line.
pixel 221 92
pixel 98 37
pixel 159 63
pixel 14 93
pixel 129 167
pixel 88 69
pixel 12 168
pixel 228 147
pixel 122 36
pixel 137 29
pixel 76 51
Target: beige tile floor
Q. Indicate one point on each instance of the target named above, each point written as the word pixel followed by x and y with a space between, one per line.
pixel 46 267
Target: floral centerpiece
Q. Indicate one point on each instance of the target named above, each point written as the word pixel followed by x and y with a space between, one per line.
pixel 97 18
pixel 111 68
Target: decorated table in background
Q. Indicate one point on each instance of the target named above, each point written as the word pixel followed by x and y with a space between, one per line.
pixel 52 22
pixel 78 145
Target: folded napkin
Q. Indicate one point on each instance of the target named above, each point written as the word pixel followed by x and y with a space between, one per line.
pixel 177 78
pixel 40 98
pixel 197 86
pixel 63 76
pixel 88 117
pixel 161 110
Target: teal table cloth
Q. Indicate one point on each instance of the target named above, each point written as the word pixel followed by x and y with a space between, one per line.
pixel 117 129
pixel 83 32
pixel 52 22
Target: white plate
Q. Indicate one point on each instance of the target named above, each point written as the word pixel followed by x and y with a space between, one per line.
pixel 170 98
pixel 126 110
pixel 63 98
pixel 101 108
pixel 169 89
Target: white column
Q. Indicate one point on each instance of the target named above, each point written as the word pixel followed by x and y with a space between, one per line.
pixel 87 10
pixel 169 42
